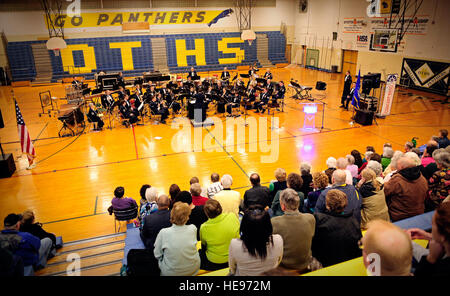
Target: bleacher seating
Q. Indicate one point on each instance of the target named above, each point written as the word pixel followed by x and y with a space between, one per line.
pixel 109 58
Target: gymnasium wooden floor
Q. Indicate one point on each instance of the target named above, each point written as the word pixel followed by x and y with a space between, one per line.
pixel 72 185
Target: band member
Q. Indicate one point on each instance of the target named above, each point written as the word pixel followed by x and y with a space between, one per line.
pixel 107 100
pixel 137 96
pixel 192 74
pixel 120 80
pixel 268 75
pixel 251 97
pixel 279 93
pixel 234 103
pixel 127 111
pixel 123 92
pixel 346 91
pixel 223 100
pixel 150 93
pixel 92 115
pixel 158 107
pixel 252 71
pixel 172 83
pixel 263 101
pixel 350 96
pixel 76 84
pixel 225 74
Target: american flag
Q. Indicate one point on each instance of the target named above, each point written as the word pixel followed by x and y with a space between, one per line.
pixel 25 140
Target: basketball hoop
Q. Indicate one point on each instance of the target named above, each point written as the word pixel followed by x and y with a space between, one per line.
pixel 56 44
pixel 248 35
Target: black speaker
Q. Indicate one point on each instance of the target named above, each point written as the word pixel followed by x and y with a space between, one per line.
pixel 364 117
pixel 320 85
pixel 7 166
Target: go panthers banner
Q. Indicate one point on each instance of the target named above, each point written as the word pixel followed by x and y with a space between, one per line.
pixel 426 75
pixel 106 19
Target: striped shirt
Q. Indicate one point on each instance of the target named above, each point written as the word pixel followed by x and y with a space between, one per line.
pixel 213 189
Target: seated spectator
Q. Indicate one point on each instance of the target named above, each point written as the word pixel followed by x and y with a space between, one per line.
pixel 373 200
pixel 150 206
pixel 443 140
pixel 297 231
pixel 10 265
pixel 427 156
pixel 337 233
pixel 229 200
pixel 215 187
pixel 414 157
pixel 294 182
pixel 428 171
pixel 437 260
pixel 353 200
pixel 197 216
pixel 357 156
pixel 377 168
pixel 33 251
pixel 174 189
pixel 388 153
pixel 351 166
pixel 366 159
pixel 305 171
pixel 196 180
pixel 439 183
pixel 29 225
pixel 176 246
pixel 258 250
pixel 341 164
pixel 320 183
pixel 393 247
pixel 369 150
pixel 197 199
pixel 216 235
pixel 331 167
pixel 257 195
pixel 409 146
pixel 392 167
pixel 119 202
pixel 142 194
pixel 406 191
pixel 279 184
pixel 155 222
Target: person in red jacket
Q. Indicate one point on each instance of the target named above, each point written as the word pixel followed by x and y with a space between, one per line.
pixel 197 199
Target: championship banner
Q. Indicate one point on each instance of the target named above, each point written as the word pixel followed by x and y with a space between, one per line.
pixel 106 19
pixel 389 91
pixel 426 75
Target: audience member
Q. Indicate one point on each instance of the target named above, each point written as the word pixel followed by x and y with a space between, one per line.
pixel 258 250
pixel 197 216
pixel 33 251
pixel 29 225
pixel 405 192
pixel 331 167
pixel 373 200
pixel 229 200
pixel 174 189
pixel 142 194
pixel 443 140
pixel 341 164
pixel 279 184
pixel 197 199
pixel 437 261
pixel 337 233
pixel 176 246
pixel 294 182
pixel 357 156
pixel 377 168
pixel 351 166
pixel 297 231
pixel 155 222
pixel 408 147
pixel 430 169
pixel 427 156
pixel 320 183
pixel 196 180
pixel 10 265
pixel 216 235
pixel 305 171
pixel 353 200
pixel 150 206
pixel 393 247
pixel 366 159
pixel 392 167
pixel 369 150
pixel 439 183
pixel 388 153
pixel 257 194
pixel 119 202
pixel 215 187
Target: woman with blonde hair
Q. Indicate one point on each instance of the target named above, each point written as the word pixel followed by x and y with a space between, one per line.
pixel 29 225
pixel 176 246
pixel 373 198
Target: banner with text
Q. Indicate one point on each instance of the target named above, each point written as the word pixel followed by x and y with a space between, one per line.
pixel 426 75
pixel 389 91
